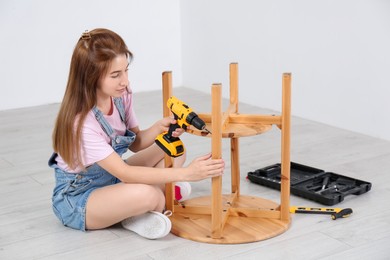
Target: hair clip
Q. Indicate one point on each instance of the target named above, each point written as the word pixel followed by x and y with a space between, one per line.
pixel 86 35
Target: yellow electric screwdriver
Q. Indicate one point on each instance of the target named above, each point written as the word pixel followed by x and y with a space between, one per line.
pixel 184 116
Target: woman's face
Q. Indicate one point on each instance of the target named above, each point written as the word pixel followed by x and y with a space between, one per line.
pixel 116 81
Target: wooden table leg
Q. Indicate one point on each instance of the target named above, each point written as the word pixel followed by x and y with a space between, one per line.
pixel 235 165
pixel 216 143
pixel 168 161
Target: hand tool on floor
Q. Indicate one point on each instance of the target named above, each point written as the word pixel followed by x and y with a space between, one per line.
pixel 184 116
pixel 334 212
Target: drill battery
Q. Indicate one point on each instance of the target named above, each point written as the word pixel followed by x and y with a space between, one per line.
pixel 172 146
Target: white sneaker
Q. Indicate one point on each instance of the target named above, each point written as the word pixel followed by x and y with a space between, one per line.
pixel 151 225
pixel 182 191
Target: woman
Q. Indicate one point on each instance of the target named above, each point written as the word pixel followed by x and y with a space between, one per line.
pixel 95 188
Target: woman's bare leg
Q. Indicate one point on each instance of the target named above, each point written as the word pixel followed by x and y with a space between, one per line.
pixel 111 204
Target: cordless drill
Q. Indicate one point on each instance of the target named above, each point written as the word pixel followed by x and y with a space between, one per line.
pixel 184 117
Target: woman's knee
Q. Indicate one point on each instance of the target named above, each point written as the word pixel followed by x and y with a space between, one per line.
pixel 151 196
pixel 178 162
pixel 149 157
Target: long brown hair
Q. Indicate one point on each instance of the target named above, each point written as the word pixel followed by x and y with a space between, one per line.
pixel 91 59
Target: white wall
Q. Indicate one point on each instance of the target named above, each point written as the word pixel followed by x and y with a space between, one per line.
pixel 37 38
pixel 337 51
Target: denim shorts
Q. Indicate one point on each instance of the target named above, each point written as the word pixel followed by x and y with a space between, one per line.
pixel 72 190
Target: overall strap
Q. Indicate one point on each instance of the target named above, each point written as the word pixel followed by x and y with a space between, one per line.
pixel 103 122
pixel 121 108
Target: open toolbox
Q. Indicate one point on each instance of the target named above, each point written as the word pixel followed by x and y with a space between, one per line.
pixel 327 188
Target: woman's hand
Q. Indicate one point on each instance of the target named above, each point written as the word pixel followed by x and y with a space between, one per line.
pixel 204 167
pixel 164 124
pixel 145 138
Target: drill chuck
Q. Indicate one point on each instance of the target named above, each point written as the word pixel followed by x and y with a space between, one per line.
pixel 194 120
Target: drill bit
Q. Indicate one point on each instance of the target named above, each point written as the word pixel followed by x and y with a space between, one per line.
pixel 206 130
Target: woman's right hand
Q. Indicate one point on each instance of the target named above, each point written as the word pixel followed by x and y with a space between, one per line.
pixel 204 167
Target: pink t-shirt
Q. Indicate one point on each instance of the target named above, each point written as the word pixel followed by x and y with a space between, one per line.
pixel 96 144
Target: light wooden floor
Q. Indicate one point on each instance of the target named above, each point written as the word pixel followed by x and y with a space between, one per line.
pixel 29 229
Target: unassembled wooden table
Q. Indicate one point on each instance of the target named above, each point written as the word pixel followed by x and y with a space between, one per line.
pixel 233 218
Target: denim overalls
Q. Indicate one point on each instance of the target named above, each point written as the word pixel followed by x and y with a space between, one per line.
pixel 72 190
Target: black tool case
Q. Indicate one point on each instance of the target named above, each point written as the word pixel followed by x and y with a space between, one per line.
pixel 327 188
